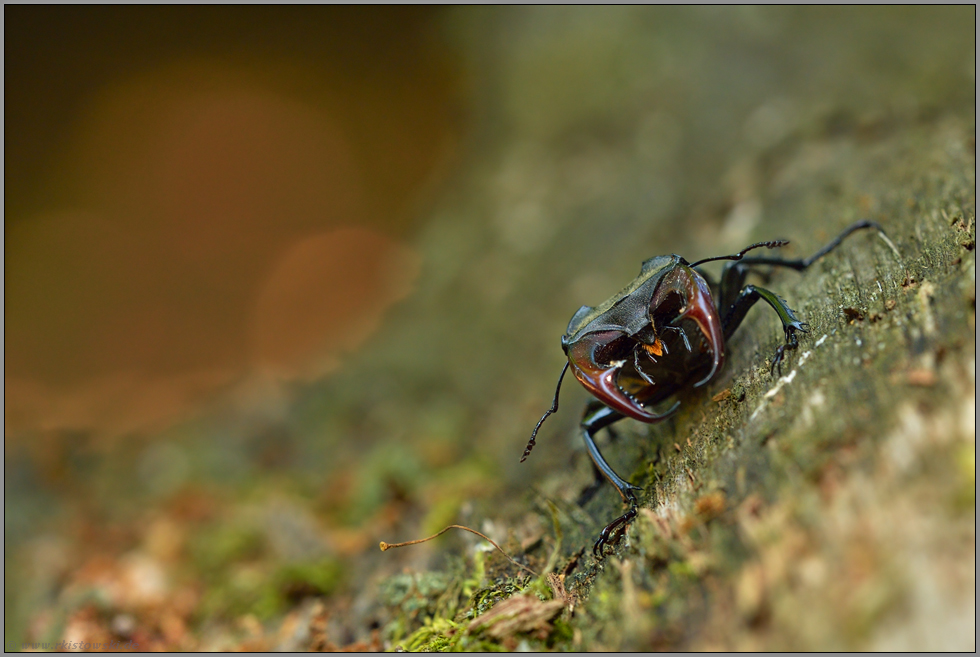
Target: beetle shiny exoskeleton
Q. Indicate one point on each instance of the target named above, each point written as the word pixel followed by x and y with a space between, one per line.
pixel 663 335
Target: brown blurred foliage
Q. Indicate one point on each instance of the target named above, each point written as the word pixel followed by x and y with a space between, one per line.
pixel 197 194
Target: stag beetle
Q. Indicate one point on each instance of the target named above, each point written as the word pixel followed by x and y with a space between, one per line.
pixel 662 336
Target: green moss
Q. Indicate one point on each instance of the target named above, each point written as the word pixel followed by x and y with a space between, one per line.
pixel 562 635
pixel 431 611
pixel 436 635
pixel 682 569
pixel 300 579
pixel 241 589
pixel 241 576
pixel 212 550
pixel 391 467
pixel 413 593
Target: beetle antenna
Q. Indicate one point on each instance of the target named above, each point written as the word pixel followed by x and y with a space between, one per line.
pixel 553 409
pixel 772 244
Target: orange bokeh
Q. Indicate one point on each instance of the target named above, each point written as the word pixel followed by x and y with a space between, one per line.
pixel 218 227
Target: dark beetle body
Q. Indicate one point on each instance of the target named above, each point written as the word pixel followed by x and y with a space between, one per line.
pixel 635 349
pixel 662 336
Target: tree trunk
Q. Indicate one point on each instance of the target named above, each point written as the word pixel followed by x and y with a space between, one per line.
pixel 829 506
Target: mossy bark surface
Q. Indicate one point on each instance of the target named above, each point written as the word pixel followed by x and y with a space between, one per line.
pixel 827 507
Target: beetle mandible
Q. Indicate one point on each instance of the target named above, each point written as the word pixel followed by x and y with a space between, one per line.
pixel 664 335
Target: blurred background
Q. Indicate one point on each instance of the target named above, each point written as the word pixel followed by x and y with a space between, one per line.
pixel 282 282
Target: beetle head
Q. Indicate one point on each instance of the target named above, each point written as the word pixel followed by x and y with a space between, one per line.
pixel 658 337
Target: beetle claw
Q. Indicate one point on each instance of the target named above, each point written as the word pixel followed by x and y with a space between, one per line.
pixel 601 376
pixel 791 343
pixel 699 308
pixel 777 361
pixel 617 528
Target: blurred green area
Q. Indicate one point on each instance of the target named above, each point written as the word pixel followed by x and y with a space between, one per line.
pixel 529 158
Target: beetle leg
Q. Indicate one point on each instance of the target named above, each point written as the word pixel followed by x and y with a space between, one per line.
pixel 639 368
pixel 802 263
pixel 598 416
pixel 734 300
pixel 734 273
pixel 598 478
pixel 791 323
pixel 687 343
pixel 618 525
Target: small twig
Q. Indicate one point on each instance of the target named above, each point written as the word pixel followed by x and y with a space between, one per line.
pixel 385 546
